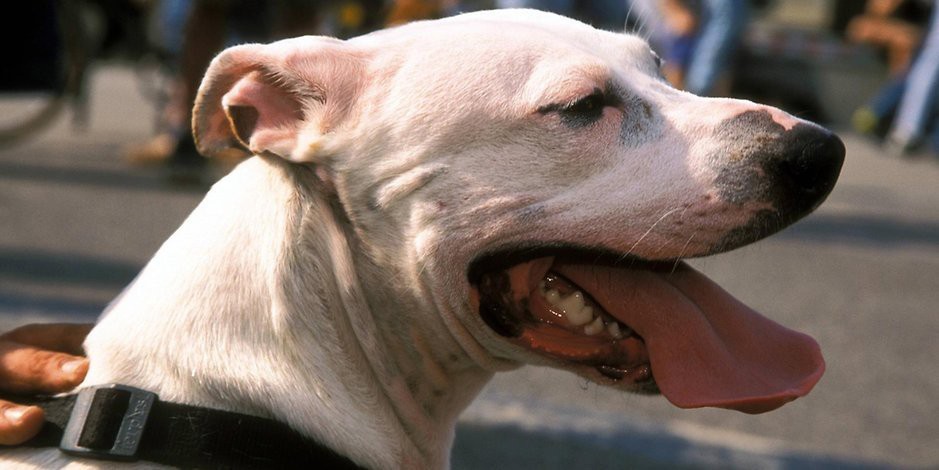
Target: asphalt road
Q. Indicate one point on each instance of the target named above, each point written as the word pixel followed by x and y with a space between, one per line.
pixel 861 275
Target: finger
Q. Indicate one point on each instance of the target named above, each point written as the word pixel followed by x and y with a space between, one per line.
pixel 26 369
pixel 19 423
pixel 62 337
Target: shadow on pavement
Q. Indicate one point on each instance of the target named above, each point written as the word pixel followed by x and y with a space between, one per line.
pixel 56 268
pixel 482 446
pixel 16 308
pixel 863 230
pixel 120 178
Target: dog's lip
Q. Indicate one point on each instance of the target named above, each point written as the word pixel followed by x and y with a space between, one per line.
pixel 705 347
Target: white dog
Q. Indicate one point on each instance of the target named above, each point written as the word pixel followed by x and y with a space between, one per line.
pixel 434 203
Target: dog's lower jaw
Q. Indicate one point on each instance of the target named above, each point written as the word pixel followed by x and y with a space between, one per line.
pixel 325 363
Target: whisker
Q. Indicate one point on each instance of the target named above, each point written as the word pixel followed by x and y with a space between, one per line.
pixel 640 21
pixel 628 14
pixel 682 252
pixel 632 248
pixel 644 31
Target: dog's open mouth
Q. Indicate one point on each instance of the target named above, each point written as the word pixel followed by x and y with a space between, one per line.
pixel 647 327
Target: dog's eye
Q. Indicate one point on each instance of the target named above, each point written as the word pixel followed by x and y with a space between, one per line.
pixel 584 111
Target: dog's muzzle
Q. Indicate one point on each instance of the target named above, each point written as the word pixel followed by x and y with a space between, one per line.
pixel 790 172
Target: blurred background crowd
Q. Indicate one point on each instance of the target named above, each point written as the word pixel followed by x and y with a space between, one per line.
pixel 709 47
pixel 94 123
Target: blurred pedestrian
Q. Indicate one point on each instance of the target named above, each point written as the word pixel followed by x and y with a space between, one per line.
pixel 677 43
pixel 198 29
pixel 702 38
pixel 404 11
pixel 722 25
pixel 896 26
pixel 204 26
pixel 915 118
pixel 608 14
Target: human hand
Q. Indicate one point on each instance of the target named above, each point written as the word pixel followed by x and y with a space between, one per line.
pixel 38 358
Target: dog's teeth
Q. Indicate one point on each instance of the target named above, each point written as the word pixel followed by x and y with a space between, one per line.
pixel 572 306
pixel 572 303
pixel 595 327
pixel 580 317
pixel 614 331
pixel 553 297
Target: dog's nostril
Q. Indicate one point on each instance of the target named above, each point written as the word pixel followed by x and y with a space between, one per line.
pixel 807 170
pixel 813 167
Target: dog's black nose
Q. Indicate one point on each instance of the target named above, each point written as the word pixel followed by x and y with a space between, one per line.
pixel 789 170
pixel 761 161
pixel 805 169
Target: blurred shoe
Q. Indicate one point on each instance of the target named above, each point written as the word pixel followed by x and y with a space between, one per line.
pixel 868 123
pixel 155 151
pixel 911 148
pixel 864 120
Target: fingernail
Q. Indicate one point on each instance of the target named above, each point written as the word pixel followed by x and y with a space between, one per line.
pixel 14 414
pixel 70 367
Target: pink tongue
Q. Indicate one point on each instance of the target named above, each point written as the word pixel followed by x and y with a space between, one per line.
pixel 706 348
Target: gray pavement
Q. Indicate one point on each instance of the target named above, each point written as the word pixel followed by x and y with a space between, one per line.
pixel 861 275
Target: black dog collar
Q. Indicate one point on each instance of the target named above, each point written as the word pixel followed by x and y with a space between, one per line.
pixel 117 422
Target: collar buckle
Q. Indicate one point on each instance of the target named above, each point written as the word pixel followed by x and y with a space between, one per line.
pixel 107 422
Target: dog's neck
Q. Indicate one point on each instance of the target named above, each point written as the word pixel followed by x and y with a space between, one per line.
pixel 256 305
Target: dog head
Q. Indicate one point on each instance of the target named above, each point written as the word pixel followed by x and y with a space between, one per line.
pixel 536 183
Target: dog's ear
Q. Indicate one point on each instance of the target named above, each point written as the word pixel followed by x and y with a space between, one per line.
pixel 282 99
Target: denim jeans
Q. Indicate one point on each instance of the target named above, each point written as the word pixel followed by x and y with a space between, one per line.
pixel 608 14
pixel 723 25
pixel 919 100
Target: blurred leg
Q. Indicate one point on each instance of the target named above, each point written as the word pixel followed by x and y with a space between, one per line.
pixel 876 117
pixel 604 14
pixel 720 34
pixel 561 7
pixel 918 100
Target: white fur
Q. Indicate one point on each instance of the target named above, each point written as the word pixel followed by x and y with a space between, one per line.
pixel 332 295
